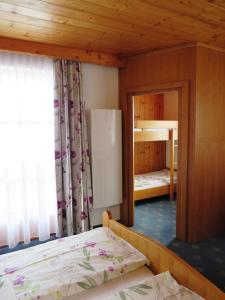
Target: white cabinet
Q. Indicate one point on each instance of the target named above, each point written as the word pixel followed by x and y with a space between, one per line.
pixel 106 157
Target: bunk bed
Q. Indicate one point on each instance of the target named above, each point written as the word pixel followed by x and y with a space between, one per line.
pixel 156 183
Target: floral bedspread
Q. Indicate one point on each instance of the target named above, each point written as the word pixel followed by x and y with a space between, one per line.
pixel 153 179
pixel 67 266
pixel 159 287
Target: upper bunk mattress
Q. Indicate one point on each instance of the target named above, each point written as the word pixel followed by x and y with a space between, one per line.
pixel 153 179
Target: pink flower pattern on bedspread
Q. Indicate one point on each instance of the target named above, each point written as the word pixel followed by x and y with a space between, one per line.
pixel 60 268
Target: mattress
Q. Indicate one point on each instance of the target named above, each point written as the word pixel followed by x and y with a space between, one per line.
pixel 153 179
pixel 115 285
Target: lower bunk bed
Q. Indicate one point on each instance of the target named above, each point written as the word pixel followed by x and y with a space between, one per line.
pixel 153 184
pixel 112 262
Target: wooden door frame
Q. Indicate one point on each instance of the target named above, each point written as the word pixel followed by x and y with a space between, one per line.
pixel 127 207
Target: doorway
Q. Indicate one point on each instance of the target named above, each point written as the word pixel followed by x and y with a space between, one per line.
pixel 155 178
pixel 127 207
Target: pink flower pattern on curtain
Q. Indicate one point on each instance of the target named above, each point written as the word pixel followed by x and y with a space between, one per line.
pixel 73 178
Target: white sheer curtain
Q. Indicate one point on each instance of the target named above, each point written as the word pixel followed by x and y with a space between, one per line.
pixel 27 168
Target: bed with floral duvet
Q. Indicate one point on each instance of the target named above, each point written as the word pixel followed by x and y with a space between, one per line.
pixel 71 267
pixel 67 266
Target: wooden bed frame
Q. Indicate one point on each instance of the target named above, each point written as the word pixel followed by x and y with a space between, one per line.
pixel 166 131
pixel 154 192
pixel 162 259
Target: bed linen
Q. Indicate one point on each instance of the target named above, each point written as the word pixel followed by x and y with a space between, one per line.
pixel 153 179
pixel 104 291
pixel 159 287
pixel 68 266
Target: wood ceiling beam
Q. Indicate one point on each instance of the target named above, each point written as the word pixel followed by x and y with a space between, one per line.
pixel 61 52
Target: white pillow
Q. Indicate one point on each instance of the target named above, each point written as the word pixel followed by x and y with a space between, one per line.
pixel 160 287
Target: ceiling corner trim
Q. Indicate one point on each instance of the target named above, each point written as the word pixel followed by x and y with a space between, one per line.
pixel 204 45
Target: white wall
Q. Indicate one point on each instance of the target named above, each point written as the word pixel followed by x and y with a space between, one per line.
pixel 100 87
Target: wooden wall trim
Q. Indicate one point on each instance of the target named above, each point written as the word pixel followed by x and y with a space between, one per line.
pixel 156 88
pixel 199 44
pixel 166 49
pixel 56 51
pixel 174 48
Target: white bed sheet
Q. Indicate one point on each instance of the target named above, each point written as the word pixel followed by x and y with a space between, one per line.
pixel 104 291
pixel 153 179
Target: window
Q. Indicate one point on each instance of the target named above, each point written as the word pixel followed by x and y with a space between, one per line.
pixel 27 168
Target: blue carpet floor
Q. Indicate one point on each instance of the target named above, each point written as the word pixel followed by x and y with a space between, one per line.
pixel 22 246
pixel 208 257
pixel 157 219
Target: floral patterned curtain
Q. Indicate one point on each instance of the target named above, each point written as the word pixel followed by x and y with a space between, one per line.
pixel 73 179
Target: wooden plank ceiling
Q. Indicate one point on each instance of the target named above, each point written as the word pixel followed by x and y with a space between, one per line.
pixel 120 27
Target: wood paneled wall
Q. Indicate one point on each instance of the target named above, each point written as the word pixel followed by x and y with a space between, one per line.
pixel 207 201
pixel 172 67
pixel 171 105
pixel 149 156
pixel 204 69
